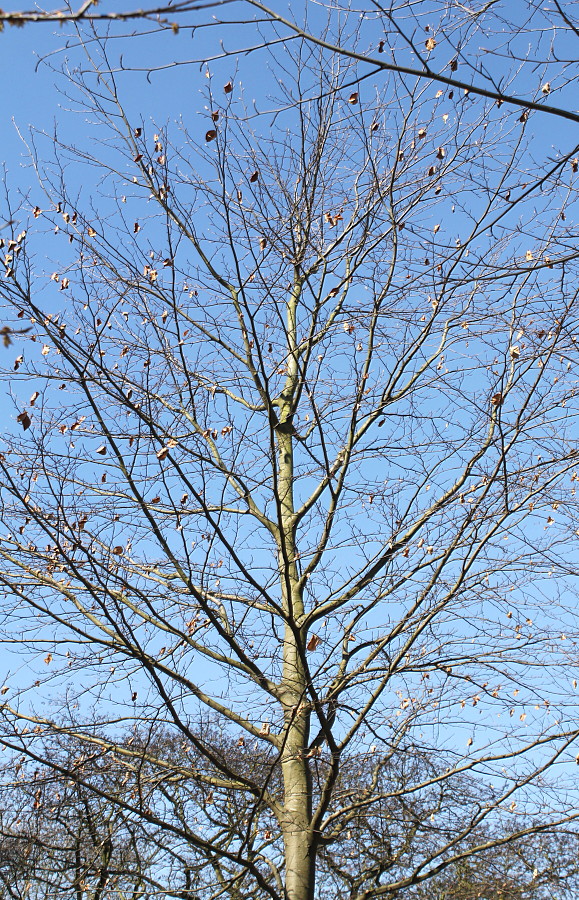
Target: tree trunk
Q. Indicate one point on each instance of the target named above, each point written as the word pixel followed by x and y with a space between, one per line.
pixel 299 858
pixel 297 815
pixel 296 820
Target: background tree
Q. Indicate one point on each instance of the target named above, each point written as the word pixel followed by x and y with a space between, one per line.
pixel 58 840
pixel 296 456
pixel 60 837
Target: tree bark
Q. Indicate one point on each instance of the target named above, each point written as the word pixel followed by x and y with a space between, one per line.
pixel 297 814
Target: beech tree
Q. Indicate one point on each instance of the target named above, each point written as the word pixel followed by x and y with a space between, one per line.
pixel 290 479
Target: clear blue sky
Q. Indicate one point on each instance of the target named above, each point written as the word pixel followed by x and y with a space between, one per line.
pixel 31 96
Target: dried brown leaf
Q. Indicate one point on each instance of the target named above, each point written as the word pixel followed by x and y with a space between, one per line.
pixel 24 420
pixel 313 642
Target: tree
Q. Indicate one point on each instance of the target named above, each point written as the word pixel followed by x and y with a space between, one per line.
pixel 57 836
pixel 295 482
pixel 58 840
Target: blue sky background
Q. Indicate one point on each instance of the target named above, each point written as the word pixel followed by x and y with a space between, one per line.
pixel 32 56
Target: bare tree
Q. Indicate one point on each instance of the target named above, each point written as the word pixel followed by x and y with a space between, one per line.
pixel 298 459
pixel 58 840
pixel 57 836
